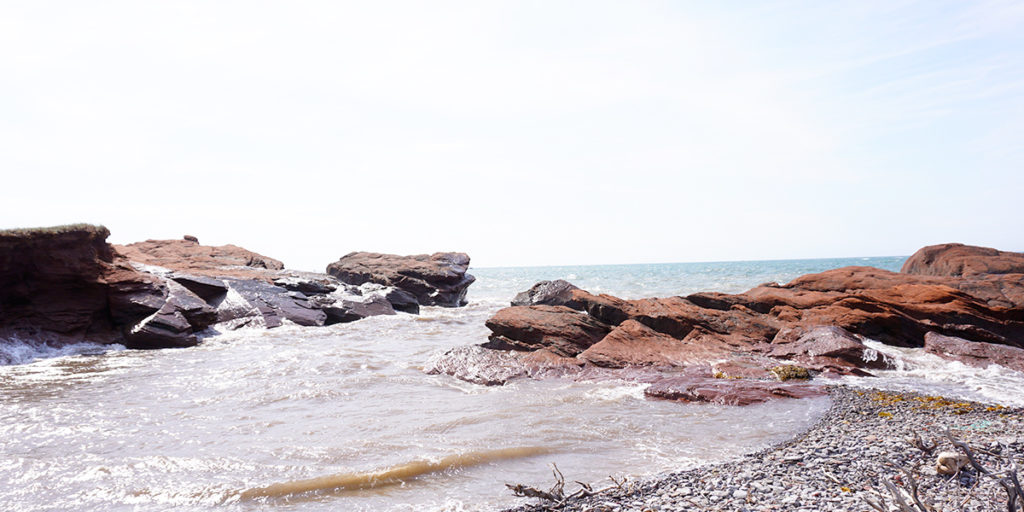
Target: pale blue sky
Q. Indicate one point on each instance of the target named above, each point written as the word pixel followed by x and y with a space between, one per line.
pixel 524 133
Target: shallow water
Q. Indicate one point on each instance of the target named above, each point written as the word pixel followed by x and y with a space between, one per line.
pixel 343 417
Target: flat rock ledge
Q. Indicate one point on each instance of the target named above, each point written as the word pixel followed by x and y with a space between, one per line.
pixel 859 444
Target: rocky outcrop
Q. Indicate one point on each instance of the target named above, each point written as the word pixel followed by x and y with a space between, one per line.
pixel 340 310
pixel 66 283
pixel 959 260
pixel 818 322
pixel 438 279
pixel 247 289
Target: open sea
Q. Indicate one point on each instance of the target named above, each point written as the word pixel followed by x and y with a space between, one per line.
pixel 344 418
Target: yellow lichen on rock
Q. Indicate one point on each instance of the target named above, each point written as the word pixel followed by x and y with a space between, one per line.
pixel 788 371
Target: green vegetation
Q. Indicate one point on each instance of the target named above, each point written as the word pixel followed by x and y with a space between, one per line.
pixel 54 230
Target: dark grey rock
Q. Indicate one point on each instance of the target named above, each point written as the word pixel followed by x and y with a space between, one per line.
pixel 549 293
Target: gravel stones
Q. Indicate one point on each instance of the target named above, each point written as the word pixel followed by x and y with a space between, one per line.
pixel 862 441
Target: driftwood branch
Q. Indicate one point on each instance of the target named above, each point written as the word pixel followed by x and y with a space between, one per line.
pixel 556 493
pixel 962 446
pixel 921 445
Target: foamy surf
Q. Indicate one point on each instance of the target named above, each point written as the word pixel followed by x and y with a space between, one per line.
pixel 914 369
pixel 23 351
pixel 394 475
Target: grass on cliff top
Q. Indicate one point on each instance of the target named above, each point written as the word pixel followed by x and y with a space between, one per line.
pixel 55 230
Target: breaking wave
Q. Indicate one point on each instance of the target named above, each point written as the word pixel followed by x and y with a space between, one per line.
pixel 16 350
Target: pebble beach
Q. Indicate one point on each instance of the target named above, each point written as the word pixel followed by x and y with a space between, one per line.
pixel 860 451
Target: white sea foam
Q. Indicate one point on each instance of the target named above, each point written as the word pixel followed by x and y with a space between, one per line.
pixel 21 351
pixel 917 370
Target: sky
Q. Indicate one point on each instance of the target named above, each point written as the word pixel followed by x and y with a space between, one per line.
pixel 522 133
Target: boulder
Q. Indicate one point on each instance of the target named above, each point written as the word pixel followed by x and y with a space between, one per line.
pixel 343 310
pixel 308 283
pixel 208 288
pixel 402 300
pixel 175 324
pixel 959 260
pixel 549 293
pixel 255 303
pixel 559 329
pixel 826 347
pixel 438 279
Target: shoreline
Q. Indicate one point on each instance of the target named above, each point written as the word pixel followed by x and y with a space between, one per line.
pixel 849 454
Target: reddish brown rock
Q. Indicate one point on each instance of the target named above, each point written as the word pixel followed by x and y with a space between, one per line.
pixel 815 321
pixel 68 281
pixel 729 391
pixel 189 257
pixel 974 353
pixel 56 280
pixel 959 260
pixel 634 344
pixel 559 329
pixel 438 279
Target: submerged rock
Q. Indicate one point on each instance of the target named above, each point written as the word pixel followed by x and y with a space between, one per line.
pixel 438 279
pixel 974 353
pixel 729 391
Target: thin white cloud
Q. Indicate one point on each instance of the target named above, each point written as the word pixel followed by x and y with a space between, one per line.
pixel 524 133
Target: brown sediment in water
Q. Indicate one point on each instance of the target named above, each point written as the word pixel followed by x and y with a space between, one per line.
pixel 390 476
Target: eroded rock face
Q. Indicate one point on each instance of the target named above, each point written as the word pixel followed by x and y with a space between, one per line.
pixel 68 281
pixel 959 260
pixel 438 279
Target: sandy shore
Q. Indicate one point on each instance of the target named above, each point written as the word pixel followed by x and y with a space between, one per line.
pixel 846 458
